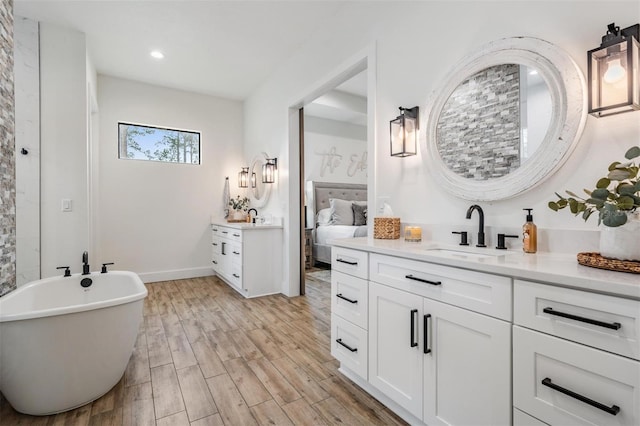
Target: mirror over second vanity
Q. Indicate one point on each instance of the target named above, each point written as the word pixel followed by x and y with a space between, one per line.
pixel 505 119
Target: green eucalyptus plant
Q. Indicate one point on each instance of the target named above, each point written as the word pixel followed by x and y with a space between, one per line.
pixel 614 196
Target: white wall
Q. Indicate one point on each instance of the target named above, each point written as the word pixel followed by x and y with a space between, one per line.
pixel 63 130
pixel 154 217
pixel 27 113
pixel 416 46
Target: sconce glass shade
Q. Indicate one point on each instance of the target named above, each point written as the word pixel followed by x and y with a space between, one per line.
pixel 253 180
pixel 243 178
pixel 269 170
pixel 404 133
pixel 613 72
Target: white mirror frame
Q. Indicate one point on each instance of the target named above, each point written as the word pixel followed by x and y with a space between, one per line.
pixel 258 161
pixel 568 92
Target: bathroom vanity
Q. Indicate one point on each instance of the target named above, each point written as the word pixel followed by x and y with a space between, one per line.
pixel 248 257
pixel 448 335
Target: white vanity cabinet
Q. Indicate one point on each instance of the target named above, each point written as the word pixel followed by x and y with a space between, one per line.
pixel 576 356
pixel 248 257
pixel 433 358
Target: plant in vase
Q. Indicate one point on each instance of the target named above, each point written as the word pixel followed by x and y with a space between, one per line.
pixel 616 198
pixel 239 207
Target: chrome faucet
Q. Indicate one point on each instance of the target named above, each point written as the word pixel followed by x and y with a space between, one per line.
pixel 254 217
pixel 85 263
pixel 480 223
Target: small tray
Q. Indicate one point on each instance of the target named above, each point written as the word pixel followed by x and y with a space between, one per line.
pixel 594 260
pixel 236 220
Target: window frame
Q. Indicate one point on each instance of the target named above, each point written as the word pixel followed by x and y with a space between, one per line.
pixel 194 132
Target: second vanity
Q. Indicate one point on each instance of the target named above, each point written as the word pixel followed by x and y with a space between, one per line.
pixel 445 336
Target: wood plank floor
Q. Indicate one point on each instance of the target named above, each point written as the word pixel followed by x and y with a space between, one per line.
pixel 207 356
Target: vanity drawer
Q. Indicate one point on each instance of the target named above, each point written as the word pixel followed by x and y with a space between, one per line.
pixel 349 298
pixel 236 275
pixel 605 322
pixel 477 291
pixel 349 345
pixel 565 383
pixel 352 262
pixel 236 253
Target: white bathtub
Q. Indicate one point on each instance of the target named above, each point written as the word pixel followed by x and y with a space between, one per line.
pixel 62 345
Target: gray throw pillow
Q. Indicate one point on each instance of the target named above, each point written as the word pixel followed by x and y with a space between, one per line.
pixel 359 213
pixel 341 212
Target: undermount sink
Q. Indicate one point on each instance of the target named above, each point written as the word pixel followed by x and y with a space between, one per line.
pixel 468 253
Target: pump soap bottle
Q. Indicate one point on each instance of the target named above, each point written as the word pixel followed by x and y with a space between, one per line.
pixel 529 234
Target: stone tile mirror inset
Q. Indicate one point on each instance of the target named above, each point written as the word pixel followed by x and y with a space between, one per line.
pixel 505 119
pixel 494 121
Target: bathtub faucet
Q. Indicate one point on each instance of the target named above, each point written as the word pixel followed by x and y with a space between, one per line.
pixel 85 263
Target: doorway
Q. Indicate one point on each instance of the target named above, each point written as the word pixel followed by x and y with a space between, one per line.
pixel 335 145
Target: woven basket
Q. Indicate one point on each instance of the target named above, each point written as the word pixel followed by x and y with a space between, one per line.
pixel 386 228
pixel 595 260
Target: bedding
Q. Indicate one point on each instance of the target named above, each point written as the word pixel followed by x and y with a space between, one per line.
pixel 340 212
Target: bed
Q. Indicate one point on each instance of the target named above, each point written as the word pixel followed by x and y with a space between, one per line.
pixel 330 219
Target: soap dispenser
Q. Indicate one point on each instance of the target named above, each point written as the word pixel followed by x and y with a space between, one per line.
pixel 529 234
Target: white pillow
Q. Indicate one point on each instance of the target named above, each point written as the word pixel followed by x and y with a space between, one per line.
pixel 324 217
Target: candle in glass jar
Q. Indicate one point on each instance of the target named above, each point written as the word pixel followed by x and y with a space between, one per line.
pixel 413 234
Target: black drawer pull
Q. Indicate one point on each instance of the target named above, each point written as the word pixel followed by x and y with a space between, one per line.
pixel 614 409
pixel 215 244
pixel 339 341
pixel 611 325
pixel 427 349
pixel 215 229
pixel 225 232
pixel 222 251
pixel 214 262
pixel 236 252
pixel 413 328
pixel 422 280
pixel 345 298
pixel 236 275
pixel 236 235
pixel 346 261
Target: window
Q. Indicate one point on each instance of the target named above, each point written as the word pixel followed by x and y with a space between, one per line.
pixel 137 142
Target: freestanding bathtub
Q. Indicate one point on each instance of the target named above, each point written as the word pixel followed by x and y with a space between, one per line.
pixel 63 345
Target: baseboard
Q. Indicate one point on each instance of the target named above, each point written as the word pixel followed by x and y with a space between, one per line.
pixel 175 274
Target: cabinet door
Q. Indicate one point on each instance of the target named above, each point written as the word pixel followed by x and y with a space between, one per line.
pixel 467 370
pixel 395 355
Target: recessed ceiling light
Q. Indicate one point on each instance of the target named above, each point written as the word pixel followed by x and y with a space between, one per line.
pixel 157 54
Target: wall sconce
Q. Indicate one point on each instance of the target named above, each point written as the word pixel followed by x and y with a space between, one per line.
pixel 614 79
pixel 269 170
pixel 243 178
pixel 404 132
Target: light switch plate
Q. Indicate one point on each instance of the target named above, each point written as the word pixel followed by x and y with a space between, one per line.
pixel 67 205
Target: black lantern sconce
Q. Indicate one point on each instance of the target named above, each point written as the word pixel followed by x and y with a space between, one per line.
pixel 404 132
pixel 613 75
pixel 269 170
pixel 243 178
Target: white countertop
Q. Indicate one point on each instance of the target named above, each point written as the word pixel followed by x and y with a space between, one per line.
pixel 243 225
pixel 557 269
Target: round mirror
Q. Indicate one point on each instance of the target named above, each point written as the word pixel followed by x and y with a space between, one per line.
pixel 506 118
pixel 258 191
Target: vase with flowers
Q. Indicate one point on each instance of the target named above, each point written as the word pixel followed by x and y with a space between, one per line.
pixel 616 198
pixel 239 207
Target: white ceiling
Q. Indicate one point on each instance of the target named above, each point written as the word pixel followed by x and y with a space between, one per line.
pixel 221 48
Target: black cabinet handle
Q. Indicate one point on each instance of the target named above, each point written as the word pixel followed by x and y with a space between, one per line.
pixel 236 252
pixel 339 341
pixel 413 328
pixel 214 262
pixel 225 232
pixel 613 410
pixel 426 334
pixel 236 275
pixel 345 298
pixel 422 280
pixel 236 235
pixel 215 244
pixel 611 325
pixel 346 261
pixel 222 252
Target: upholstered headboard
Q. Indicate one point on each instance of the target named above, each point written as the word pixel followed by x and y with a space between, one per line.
pixel 322 191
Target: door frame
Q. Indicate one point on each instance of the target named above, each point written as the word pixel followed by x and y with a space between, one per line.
pixel 363 60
